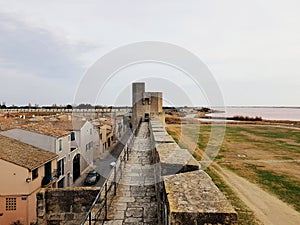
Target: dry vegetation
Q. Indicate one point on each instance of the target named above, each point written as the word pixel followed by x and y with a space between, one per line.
pixel 267 155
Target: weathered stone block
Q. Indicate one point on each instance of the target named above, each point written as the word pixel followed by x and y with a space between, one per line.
pixel 69 216
pixel 194 199
pixel 134 212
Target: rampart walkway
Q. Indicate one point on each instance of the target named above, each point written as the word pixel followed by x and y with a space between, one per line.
pixel 136 201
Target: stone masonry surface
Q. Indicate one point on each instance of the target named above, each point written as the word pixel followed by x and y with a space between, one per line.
pixel 136 201
pixel 172 158
pixel 64 205
pixel 194 199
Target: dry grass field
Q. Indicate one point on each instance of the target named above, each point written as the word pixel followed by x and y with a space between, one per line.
pixel 266 155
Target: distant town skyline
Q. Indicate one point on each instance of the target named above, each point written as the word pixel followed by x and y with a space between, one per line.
pixel 251 47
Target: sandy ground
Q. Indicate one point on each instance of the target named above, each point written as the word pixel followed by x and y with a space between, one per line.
pixel 267 208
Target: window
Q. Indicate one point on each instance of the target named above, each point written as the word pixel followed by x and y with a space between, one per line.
pixel 11 204
pixel 60 184
pixel 89 146
pixel 146 101
pixel 108 142
pixel 60 145
pixel 61 167
pixel 72 136
pixel 35 173
pixel 91 132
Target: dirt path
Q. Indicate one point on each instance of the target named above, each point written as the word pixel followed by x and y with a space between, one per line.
pixel 267 208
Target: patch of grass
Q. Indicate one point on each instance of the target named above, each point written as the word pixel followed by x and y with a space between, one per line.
pixel 172 130
pixel 230 166
pixel 283 157
pixel 176 140
pixel 245 215
pixel 275 132
pixel 197 156
pixel 286 188
pixel 219 157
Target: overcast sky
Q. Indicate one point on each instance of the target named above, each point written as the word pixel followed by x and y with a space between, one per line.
pixel 251 47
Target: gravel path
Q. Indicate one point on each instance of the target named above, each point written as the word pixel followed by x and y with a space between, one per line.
pixel 267 208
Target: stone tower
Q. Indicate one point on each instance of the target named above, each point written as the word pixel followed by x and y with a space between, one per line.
pixel 145 105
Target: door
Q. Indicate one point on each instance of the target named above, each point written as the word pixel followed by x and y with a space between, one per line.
pixel 48 169
pixel 76 167
pixel 61 183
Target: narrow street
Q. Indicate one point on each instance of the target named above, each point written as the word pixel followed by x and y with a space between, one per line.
pixel 102 166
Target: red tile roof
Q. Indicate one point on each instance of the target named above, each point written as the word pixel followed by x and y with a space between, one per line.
pixel 23 154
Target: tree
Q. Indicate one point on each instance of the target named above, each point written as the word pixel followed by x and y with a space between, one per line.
pixel 69 107
pixel 85 106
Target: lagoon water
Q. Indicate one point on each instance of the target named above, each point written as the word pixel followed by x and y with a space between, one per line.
pixel 267 113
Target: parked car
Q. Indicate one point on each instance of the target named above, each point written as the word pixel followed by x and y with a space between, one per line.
pixel 92 178
pixel 146 117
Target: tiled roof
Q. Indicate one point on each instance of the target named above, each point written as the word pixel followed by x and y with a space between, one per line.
pixel 7 124
pixel 45 128
pixel 23 154
pixel 48 126
pixel 75 124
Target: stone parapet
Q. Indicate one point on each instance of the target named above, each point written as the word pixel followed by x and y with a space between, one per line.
pixel 172 158
pixel 64 206
pixel 193 198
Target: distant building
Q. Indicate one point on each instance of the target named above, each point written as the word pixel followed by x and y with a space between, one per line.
pixel 105 136
pixel 25 169
pixel 119 127
pixel 145 105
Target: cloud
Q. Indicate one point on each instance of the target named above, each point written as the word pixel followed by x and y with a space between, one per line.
pixel 21 88
pixel 37 51
pixel 246 44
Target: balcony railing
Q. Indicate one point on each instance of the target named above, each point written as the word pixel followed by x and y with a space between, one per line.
pixel 47 180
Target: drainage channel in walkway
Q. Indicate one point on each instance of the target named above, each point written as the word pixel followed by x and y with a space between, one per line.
pixel 136 202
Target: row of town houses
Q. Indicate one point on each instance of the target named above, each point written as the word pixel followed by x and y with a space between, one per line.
pixel 54 152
